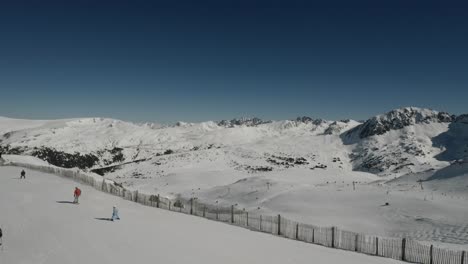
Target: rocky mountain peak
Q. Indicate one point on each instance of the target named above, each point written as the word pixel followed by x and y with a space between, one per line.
pixel 244 121
pixel 462 119
pixel 400 118
pixel 307 120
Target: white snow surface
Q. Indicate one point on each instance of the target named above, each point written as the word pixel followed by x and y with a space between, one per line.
pixel 19 159
pixel 225 164
pixel 11 124
pixel 41 228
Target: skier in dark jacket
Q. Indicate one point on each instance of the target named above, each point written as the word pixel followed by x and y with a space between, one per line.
pixel 23 175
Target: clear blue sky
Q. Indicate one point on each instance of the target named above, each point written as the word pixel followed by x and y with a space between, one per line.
pixel 177 60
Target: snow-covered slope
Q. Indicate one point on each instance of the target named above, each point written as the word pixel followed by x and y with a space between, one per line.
pixel 104 137
pixel 41 226
pixel 10 124
pixel 448 181
pixel 262 165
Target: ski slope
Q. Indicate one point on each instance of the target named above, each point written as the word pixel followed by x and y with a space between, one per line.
pixel 303 169
pixel 40 227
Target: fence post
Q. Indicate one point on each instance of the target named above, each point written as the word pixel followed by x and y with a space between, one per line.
pixel 169 205
pixel 356 242
pixel 279 225
pixel 157 202
pixel 463 257
pixel 297 231
pixel 431 254
pixel 247 215
pixel 204 211
pixel 333 237
pixel 217 213
pixel 232 213
pixel 313 235
pixel 403 248
pixel 260 222
pixel 377 246
pixel 191 206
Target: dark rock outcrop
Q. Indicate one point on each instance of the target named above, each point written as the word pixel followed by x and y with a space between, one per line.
pixel 66 160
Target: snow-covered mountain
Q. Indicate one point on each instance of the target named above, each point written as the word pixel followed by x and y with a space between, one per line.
pixel 293 167
pixel 398 119
pixel 400 141
pixel 242 122
pixel 407 140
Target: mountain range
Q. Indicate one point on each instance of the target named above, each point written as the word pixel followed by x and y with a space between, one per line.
pixel 401 141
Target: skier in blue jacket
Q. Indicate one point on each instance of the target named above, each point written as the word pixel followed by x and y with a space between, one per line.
pixel 115 214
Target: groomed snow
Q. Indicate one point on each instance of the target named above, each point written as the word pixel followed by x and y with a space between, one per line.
pixel 39 230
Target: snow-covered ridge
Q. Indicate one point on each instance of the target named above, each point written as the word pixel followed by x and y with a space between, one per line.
pixel 407 140
pixel 403 140
pixel 243 122
pixel 398 119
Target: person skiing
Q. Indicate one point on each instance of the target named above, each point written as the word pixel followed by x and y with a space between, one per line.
pixel 23 175
pixel 115 214
pixel 76 194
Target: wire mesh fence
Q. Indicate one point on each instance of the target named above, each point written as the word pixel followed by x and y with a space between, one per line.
pixel 402 249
